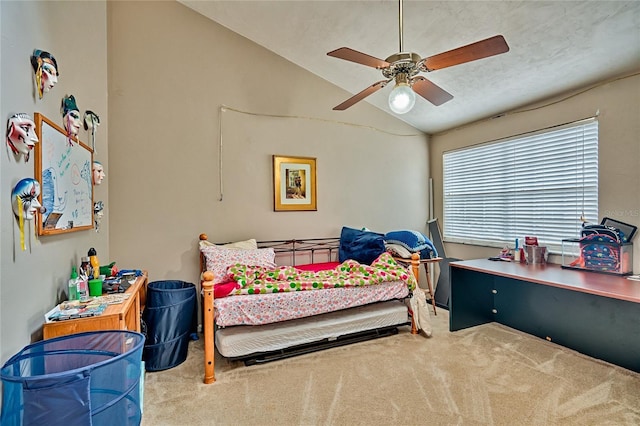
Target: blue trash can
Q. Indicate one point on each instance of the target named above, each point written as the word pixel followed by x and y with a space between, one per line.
pixel 82 379
pixel 170 316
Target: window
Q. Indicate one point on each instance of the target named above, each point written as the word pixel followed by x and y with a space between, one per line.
pixel 539 184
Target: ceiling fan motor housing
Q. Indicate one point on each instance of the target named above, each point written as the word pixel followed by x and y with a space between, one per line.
pixel 402 63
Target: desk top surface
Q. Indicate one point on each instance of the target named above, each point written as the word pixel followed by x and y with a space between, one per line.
pixel 606 285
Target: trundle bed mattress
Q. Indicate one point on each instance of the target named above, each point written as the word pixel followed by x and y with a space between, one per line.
pixel 241 341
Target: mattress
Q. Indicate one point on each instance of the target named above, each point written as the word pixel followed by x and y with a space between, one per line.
pixel 240 341
pixel 277 307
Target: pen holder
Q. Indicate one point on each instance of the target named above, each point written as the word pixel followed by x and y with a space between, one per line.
pixel 95 287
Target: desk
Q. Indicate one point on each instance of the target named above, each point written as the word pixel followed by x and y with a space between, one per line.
pixel 123 316
pixel 592 313
pixel 415 263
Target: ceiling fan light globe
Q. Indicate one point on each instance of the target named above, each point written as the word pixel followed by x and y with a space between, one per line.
pixel 402 99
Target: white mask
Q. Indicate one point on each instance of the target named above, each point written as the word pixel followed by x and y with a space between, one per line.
pixel 21 134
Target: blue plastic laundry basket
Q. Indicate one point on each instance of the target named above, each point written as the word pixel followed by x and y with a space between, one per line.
pixel 81 379
pixel 171 319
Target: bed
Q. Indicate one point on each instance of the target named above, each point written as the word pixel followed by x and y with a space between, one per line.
pixel 261 322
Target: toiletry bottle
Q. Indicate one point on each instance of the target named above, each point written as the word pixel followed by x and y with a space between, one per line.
pixel 73 284
pixel 516 252
pixel 83 289
pixel 95 263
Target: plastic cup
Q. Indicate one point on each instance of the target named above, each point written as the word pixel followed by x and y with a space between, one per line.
pixel 95 287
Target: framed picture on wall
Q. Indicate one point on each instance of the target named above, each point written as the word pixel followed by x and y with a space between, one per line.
pixel 294 183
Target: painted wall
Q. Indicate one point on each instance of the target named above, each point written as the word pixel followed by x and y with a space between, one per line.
pixel 170 70
pixel 32 281
pixel 163 183
pixel 618 105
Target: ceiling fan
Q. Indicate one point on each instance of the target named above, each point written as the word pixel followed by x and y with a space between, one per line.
pixel 403 67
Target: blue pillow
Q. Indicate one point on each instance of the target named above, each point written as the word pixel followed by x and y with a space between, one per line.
pixel 361 246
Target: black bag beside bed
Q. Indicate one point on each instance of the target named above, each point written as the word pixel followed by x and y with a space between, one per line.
pixel 361 246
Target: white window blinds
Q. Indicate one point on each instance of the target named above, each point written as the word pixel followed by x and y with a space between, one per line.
pixel 538 184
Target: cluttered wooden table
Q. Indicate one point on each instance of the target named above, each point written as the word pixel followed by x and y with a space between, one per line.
pixel 124 315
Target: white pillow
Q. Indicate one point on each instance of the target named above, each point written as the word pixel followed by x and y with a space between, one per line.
pixel 242 245
pixel 398 250
pixel 218 259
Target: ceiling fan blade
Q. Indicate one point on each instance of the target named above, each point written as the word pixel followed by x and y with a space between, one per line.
pixel 471 52
pixel 358 57
pixel 360 96
pixel 430 91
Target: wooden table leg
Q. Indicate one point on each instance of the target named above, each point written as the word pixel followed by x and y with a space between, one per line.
pixel 433 298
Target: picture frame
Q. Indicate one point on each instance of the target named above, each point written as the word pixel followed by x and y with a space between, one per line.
pixel 64 171
pixel 294 183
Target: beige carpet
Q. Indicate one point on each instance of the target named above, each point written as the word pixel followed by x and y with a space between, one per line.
pixel 486 375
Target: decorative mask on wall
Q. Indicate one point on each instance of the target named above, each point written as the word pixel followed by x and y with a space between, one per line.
pixel 46 72
pixel 98 173
pixel 70 117
pixel 21 134
pixel 91 123
pixel 24 200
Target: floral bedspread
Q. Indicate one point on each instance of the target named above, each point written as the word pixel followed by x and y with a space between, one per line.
pixel 261 280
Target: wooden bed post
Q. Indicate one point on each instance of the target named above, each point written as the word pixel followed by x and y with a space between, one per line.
pixel 207 325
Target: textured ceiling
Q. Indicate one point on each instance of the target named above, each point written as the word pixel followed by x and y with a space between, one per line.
pixel 555 46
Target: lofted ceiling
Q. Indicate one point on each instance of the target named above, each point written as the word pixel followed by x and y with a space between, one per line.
pixel 555 47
